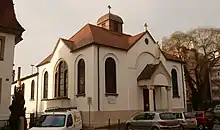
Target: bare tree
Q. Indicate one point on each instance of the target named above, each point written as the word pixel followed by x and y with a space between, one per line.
pixel 199 48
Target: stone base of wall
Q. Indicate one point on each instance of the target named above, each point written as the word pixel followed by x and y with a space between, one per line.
pixel 173 109
pixel 101 118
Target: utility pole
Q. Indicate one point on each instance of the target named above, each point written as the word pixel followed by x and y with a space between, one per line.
pixel 32 69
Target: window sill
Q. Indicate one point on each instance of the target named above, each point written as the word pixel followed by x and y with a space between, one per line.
pixel 81 95
pixel 31 99
pixel 176 96
pixel 56 98
pixel 111 94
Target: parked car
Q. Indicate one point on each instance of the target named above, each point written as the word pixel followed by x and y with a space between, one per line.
pixel 186 119
pixel 204 119
pixel 216 112
pixel 153 121
pixel 59 119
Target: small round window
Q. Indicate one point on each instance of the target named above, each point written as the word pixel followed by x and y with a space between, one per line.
pixel 146 41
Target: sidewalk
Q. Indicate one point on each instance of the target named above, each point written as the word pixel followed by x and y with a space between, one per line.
pixel 113 127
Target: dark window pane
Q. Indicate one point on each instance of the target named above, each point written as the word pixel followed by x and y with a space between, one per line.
pixel 175 83
pixel 32 89
pixel 46 85
pixel 62 80
pixel 167 116
pixel 139 117
pixel 56 84
pixel 81 77
pixel 110 76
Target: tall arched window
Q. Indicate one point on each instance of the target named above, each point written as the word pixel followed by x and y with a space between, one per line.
pixel 175 83
pixel 32 89
pixel 61 80
pixel 110 76
pixel 45 85
pixel 81 77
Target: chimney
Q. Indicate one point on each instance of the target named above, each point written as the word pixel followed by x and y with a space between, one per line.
pixel 19 77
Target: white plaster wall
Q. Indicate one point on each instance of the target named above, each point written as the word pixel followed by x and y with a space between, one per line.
pixel 178 102
pixel 121 79
pixel 6 68
pixel 62 52
pixel 138 57
pixel 29 103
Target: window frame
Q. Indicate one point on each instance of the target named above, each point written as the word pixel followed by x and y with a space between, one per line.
pixel 67 121
pixel 61 90
pixel 175 83
pixel 2 51
pixel 110 77
pixel 81 73
pixel 45 91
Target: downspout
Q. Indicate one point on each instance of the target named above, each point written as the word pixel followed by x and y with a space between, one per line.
pixel 98 78
pixel 184 99
pixel 37 92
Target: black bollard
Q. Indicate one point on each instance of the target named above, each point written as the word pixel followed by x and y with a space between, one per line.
pixel 109 122
pixel 119 124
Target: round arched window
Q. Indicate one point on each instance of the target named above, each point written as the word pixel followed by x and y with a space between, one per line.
pixel 146 41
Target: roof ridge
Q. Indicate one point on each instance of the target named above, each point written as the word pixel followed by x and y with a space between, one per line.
pixel 79 31
pixel 109 30
pixel 91 31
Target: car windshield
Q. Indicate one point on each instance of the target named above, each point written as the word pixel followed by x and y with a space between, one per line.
pixel 51 121
pixel 167 116
pixel 189 115
pixel 178 115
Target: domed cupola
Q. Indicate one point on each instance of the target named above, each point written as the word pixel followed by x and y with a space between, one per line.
pixel 111 22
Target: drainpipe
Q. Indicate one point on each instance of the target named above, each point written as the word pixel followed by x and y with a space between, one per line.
pixel 98 79
pixel 183 87
pixel 37 92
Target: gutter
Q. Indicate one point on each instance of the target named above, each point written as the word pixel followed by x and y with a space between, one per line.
pixel 98 78
pixel 184 98
pixel 37 92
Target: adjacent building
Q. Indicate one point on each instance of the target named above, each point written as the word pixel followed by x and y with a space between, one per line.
pixel 10 34
pixel 119 73
pixel 215 83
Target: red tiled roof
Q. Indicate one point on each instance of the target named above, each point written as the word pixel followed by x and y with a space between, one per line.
pixel 8 21
pixel 171 57
pixel 91 34
pixel 46 60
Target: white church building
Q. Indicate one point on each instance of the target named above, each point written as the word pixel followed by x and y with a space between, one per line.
pixel 121 74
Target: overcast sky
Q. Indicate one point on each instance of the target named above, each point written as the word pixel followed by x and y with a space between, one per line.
pixel 47 20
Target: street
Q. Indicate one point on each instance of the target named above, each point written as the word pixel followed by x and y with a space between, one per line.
pixel 216 127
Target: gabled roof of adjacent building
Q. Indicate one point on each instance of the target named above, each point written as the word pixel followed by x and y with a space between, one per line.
pixel 91 34
pixel 8 20
pixel 26 77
